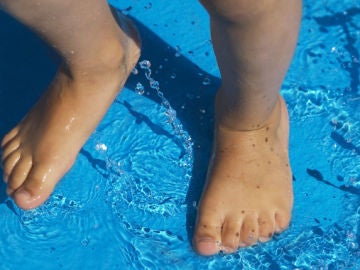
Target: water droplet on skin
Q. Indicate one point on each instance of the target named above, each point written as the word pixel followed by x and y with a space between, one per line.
pixel 69 125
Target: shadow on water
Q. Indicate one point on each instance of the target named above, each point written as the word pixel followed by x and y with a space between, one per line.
pixel 28 65
pixel 192 99
pixel 345 20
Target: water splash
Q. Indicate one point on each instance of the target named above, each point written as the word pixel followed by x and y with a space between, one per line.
pixel 139 88
pixel 170 113
pixel 206 81
pixel 178 51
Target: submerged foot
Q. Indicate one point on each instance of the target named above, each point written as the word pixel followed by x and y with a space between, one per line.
pixel 248 196
pixel 44 145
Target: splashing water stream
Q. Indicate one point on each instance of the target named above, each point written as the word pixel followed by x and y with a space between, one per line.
pixel 170 112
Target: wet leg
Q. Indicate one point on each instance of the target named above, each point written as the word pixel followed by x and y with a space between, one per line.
pixel 248 195
pixel 98 54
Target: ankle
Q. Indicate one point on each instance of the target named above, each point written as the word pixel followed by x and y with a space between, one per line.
pixel 114 57
pixel 240 118
pixel 117 54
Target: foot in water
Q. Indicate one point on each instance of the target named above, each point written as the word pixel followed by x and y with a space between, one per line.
pixel 248 195
pixel 44 145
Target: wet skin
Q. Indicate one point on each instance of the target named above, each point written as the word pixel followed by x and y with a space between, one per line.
pixel 44 145
pixel 248 194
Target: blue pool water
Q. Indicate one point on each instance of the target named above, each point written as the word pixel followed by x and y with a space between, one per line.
pixel 130 200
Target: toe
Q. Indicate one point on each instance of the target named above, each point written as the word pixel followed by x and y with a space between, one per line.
pixel 249 231
pixel 19 174
pixel 282 221
pixel 9 148
pixel 230 236
pixel 9 163
pixel 206 246
pixel 36 188
pixel 8 137
pixel 207 237
pixel 266 226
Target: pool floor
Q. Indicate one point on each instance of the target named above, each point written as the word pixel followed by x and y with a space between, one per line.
pixel 130 200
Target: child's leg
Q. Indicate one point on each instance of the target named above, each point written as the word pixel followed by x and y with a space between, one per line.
pixel 98 56
pixel 248 196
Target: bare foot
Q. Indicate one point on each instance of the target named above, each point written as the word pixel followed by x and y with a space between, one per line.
pixel 43 146
pixel 248 196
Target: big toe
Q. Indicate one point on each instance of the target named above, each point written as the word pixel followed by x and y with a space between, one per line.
pixel 18 174
pixel 36 189
pixel 207 237
pixel 206 246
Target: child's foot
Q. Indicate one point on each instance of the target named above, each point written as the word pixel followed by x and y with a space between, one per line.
pixel 44 145
pixel 248 196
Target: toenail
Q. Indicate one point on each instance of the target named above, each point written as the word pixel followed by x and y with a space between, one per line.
pixel 264 239
pixel 209 240
pixel 242 245
pixel 207 246
pixel 23 195
pixel 227 249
